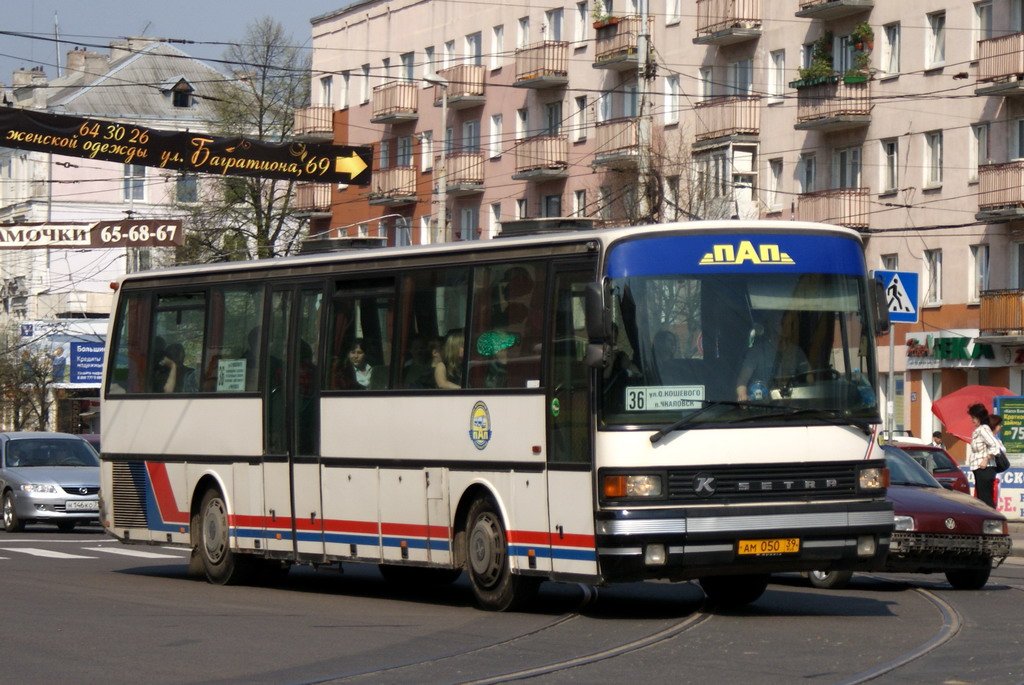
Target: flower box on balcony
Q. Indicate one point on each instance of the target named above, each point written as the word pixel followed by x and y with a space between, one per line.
pixel 609 21
pixel 856 78
pixel 813 81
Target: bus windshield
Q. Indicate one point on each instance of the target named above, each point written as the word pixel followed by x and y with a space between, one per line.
pixel 708 338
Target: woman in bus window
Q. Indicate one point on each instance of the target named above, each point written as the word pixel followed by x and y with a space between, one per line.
pixel 448 373
pixel 180 378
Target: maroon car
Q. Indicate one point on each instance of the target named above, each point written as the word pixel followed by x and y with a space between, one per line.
pixel 937 530
pixel 938 463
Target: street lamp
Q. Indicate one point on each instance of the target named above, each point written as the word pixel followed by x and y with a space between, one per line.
pixel 442 177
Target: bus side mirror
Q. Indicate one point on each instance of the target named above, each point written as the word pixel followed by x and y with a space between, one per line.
pixel 599 326
pixel 880 306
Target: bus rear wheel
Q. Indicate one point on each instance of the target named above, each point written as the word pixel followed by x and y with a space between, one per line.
pixel 495 587
pixel 730 592
pixel 222 566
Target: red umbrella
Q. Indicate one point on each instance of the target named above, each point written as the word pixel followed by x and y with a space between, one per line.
pixel 952 408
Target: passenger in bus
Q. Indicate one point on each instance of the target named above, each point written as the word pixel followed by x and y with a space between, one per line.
pixel 773 360
pixel 418 370
pixel 179 378
pixel 448 372
pixel 496 344
pixel 362 372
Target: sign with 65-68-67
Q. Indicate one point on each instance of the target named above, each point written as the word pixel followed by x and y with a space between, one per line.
pixel 127 233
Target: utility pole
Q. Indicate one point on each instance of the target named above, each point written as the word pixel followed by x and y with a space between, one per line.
pixel 645 81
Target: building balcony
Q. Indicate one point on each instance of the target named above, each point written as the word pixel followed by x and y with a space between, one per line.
pixel 394 102
pixel 725 22
pixel 465 86
pixel 542 65
pixel 1002 313
pixel 314 124
pixel 463 173
pixel 616 44
pixel 313 199
pixel 831 103
pixel 848 207
pixel 728 117
pixel 542 158
pixel 1001 66
pixel 1000 191
pixel 617 142
pixel 393 186
pixel 833 9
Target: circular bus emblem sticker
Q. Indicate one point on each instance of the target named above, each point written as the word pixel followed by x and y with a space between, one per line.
pixel 480 425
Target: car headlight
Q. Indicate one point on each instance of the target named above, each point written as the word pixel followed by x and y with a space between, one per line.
pixel 873 478
pixel 644 485
pixel 39 487
pixel 904 523
pixel 994 527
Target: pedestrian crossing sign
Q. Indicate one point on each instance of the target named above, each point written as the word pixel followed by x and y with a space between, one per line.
pixel 901 292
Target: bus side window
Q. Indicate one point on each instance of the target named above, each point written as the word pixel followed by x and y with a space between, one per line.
pixel 233 345
pixel 434 308
pixel 177 346
pixel 361 327
pixel 129 369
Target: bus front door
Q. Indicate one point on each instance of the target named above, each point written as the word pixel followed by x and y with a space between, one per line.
pixel 569 452
pixel 291 462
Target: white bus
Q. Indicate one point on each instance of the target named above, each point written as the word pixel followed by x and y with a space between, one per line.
pixel 566 406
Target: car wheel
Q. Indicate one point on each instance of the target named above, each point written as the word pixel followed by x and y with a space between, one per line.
pixel 495 587
pixel 730 592
pixel 830 580
pixel 222 566
pixel 12 524
pixel 968 578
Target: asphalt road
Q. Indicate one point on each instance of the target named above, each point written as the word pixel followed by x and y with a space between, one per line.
pixel 81 608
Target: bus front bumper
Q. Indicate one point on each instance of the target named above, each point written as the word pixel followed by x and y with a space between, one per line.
pixel 688 543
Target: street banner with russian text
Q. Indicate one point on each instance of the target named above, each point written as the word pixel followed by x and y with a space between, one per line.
pixel 72 234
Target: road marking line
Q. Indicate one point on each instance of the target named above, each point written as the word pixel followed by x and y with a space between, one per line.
pixel 133 553
pixel 36 552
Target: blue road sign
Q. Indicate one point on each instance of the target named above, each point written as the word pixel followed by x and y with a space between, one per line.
pixel 901 292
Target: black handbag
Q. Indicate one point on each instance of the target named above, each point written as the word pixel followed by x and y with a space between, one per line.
pixel 1002 462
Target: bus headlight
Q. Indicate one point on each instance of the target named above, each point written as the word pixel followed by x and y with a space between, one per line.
pixel 875 478
pixel 641 485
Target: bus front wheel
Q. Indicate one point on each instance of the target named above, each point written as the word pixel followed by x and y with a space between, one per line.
pixel 495 587
pixel 730 592
pixel 222 566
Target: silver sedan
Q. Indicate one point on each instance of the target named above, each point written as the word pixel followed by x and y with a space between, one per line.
pixel 48 478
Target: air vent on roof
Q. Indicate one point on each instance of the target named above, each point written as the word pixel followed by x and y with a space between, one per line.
pixel 313 245
pixel 554 224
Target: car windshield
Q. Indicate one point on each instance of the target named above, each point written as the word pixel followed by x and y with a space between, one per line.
pixel 747 344
pixel 50 452
pixel 904 470
pixel 933 460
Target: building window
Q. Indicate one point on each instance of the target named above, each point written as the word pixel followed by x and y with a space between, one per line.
pixel 326 91
pixel 521 208
pixel 936 43
pixel 741 77
pixel 808 173
pixel 582 20
pixel 982 25
pixel 579 123
pixel 343 95
pixel 522 121
pixel 448 54
pixel 891 262
pixel 425 224
pixel 497 46
pixel 469 223
pixel 979 150
pixel 979 272
pixel 364 85
pixel 429 67
pixel 672 93
pixel 604 209
pixel 475 49
pixel 471 135
pixel 496 135
pixel 403 231
pixel 385 154
pixel 846 168
pixel 403 151
pixel 772 197
pixel 523 32
pixel 1016 150
pixel 890 61
pixel 181 94
pixel 777 74
pixel 933 277
pixel 408 66
pixel 426 150
pixel 554 21
pixel 705 84
pixel 134 182
pixel 552 206
pixel 933 159
pixel 494 220
pixel 186 189
pixel 553 118
pixel 579 202
pixel 673 11
pixel 890 165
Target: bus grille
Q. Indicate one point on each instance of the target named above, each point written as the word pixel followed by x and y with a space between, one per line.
pixel 129 494
pixel 763 482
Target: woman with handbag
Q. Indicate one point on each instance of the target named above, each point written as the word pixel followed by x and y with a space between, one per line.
pixel 1002 462
pixel 981 454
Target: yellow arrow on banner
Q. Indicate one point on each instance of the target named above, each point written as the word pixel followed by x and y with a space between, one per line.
pixel 353 165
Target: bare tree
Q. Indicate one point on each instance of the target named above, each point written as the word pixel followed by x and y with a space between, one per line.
pixel 26 380
pixel 241 217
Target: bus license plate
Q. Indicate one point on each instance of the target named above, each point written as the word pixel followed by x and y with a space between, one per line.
pixel 81 505
pixel 769 546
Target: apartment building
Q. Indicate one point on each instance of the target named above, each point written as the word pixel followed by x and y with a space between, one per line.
pixel 904 121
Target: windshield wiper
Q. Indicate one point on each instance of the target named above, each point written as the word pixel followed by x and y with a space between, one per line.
pixel 861 424
pixel 684 421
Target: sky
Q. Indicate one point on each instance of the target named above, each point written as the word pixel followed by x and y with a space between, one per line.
pixel 211 23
